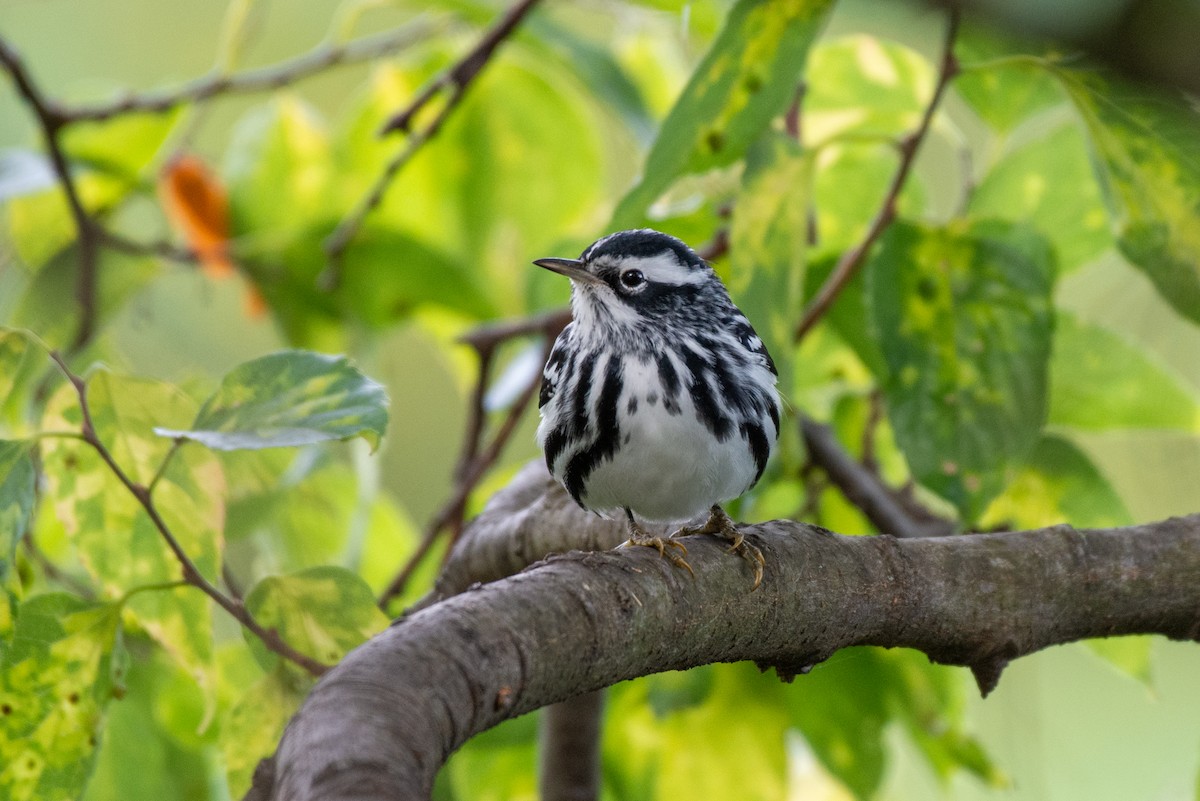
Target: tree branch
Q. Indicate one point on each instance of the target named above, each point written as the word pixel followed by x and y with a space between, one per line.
pixel 51 119
pixel 853 259
pixel 582 621
pixel 264 79
pixel 863 488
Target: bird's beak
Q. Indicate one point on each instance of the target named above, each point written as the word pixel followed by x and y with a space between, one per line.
pixel 571 268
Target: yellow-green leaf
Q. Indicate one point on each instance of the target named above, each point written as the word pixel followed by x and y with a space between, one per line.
pixel 288 399
pixel 1128 655
pixel 1099 381
pixel 746 79
pixel 322 612
pixel 117 542
pixel 866 87
pixel 1144 153
pixel 1057 484
pixel 1049 184
pixel 251 730
pixel 16 499
pixel 64 665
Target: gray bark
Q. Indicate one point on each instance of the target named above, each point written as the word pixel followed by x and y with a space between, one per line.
pixel 380 724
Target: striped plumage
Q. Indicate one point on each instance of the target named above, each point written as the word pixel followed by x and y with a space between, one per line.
pixel 658 399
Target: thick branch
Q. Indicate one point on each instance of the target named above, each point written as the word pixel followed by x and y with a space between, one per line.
pixel 579 622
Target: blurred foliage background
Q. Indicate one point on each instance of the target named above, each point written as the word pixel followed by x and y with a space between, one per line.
pixel 223 214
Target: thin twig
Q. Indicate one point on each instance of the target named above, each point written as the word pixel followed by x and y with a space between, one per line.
pixel 162 249
pixel 471 470
pixel 54 572
pixel 191 574
pixel 853 259
pixel 263 79
pixel 457 79
pixel 863 488
pixel 51 119
pixel 461 74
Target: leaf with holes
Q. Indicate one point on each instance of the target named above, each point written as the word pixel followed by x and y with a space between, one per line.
pixel 289 399
pixel 963 317
pixel 322 612
pixel 746 79
pixel 65 664
pixel 1144 153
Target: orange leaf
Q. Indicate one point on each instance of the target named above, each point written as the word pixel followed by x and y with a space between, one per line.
pixel 196 206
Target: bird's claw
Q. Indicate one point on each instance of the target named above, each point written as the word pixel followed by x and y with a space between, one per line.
pixel 661 544
pixel 721 525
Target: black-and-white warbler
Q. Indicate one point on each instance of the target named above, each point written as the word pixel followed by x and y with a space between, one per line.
pixel 659 399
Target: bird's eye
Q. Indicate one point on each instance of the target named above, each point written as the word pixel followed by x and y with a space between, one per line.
pixel 633 278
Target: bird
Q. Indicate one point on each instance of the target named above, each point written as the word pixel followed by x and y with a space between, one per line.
pixel 658 400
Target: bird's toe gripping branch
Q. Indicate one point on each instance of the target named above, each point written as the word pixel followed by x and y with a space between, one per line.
pixel 639 536
pixel 722 525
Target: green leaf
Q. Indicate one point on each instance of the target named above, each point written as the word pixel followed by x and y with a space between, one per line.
pixel 851 181
pixel 16 499
pixel 106 160
pixel 746 79
pixel 122 146
pixel 138 757
pixel 1003 80
pixel 288 399
pixel 22 360
pixel 252 729
pixel 1100 381
pixel 1127 655
pixel 322 612
pixel 866 87
pixel 66 662
pixel 768 239
pixel 648 756
pixel 848 316
pixel 49 304
pixel 117 542
pixel 1144 153
pixel 963 317
pixel 1057 484
pixel 845 706
pixel 387 274
pixel 279 170
pixel 1049 184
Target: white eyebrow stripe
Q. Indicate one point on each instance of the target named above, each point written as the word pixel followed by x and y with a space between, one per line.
pixel 663 268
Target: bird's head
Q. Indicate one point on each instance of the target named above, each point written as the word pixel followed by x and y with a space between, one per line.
pixel 637 279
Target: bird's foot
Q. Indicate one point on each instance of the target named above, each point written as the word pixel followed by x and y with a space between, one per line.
pixel 722 525
pixel 639 536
